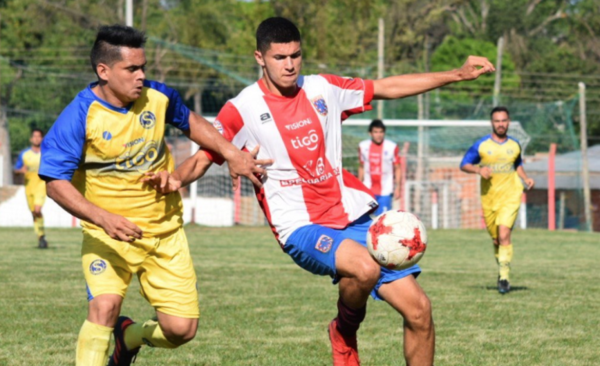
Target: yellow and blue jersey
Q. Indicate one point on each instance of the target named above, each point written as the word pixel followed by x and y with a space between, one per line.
pixel 504 186
pixel 31 161
pixel 105 150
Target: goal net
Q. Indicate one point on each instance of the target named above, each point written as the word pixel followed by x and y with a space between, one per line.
pixel 433 187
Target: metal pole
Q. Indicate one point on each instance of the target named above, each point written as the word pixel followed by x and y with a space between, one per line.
pixel 380 63
pixel 498 81
pixel 585 169
pixel 523 211
pixel 561 210
pixel 129 13
pixel 551 189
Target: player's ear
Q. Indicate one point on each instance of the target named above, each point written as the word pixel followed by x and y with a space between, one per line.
pixel 102 70
pixel 259 58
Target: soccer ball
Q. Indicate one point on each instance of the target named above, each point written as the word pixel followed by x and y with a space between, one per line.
pixel 397 239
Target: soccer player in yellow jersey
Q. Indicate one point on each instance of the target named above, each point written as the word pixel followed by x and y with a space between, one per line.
pixel 28 164
pixel 497 158
pixel 93 160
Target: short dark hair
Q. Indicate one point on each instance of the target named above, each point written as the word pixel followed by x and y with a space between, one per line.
pixel 499 109
pixel 35 129
pixel 110 39
pixel 276 30
pixel 376 123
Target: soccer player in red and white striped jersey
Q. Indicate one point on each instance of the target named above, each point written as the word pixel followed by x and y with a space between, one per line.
pixel 317 210
pixel 379 167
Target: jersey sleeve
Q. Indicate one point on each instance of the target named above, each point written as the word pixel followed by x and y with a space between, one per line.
pixel 62 147
pixel 230 124
pixel 354 95
pixel 396 155
pixel 472 156
pixel 19 164
pixel 178 114
pixel 519 159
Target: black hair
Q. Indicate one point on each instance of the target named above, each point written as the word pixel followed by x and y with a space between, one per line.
pixel 110 39
pixel 34 130
pixel 376 123
pixel 500 109
pixel 275 30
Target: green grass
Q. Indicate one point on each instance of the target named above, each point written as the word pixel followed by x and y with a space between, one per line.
pixel 258 308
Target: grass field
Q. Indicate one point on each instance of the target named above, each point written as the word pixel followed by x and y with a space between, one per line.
pixel 258 308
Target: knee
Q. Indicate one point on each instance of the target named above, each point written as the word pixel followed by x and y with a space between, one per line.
pixel 182 332
pixel 368 272
pixel 419 317
pixel 104 311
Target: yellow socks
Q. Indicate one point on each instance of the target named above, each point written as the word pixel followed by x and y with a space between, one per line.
pixel 505 254
pixel 38 226
pixel 92 344
pixel 148 333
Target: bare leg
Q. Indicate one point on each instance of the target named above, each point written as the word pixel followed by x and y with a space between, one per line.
pixel 408 298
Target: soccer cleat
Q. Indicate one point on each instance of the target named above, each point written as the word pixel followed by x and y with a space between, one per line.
pixel 503 286
pixel 42 243
pixel 121 356
pixel 343 349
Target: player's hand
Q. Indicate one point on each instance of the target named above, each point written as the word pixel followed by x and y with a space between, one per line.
pixel 529 183
pixel 474 67
pixel 244 164
pixel 119 228
pixel 162 182
pixel 485 172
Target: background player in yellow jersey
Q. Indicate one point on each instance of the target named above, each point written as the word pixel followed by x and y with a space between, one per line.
pixel 497 158
pixel 28 164
pixel 93 159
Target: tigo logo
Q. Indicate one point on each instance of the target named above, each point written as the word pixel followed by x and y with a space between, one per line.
pixel 311 142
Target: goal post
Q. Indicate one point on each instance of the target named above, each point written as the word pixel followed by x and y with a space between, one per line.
pixel 444 196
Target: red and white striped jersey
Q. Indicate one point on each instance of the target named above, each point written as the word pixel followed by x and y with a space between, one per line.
pixel 306 184
pixel 378 165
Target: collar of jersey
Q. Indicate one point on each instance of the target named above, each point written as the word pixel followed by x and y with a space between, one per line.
pixel 499 143
pixel 263 87
pixel 122 110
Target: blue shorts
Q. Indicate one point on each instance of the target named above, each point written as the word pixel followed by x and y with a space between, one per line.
pixel 313 248
pixel 385 204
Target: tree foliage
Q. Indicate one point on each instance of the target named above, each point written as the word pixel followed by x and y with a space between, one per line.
pixel 550 45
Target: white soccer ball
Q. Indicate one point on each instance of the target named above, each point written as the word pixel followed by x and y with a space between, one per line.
pixel 397 239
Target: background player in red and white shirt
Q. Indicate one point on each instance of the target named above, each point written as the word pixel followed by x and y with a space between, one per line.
pixel 379 167
pixel 317 210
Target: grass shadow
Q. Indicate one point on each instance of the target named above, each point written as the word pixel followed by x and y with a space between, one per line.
pixel 512 288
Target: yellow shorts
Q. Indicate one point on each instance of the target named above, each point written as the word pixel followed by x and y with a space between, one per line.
pixel 35 197
pixel 163 265
pixel 505 215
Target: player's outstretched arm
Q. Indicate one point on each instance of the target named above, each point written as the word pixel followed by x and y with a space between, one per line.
pixel 529 182
pixel 401 86
pixel 240 163
pixel 69 198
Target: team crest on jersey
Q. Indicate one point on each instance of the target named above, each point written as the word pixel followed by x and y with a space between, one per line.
pixel 106 135
pixel 320 105
pixel 509 151
pixel 219 126
pixel 98 266
pixel 147 119
pixel 324 244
